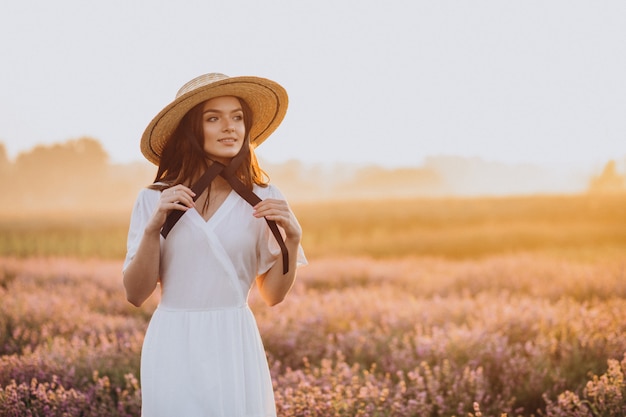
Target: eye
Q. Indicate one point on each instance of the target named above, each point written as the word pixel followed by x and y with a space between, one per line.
pixel 238 117
pixel 211 119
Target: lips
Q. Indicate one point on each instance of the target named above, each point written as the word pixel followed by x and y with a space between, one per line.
pixel 227 140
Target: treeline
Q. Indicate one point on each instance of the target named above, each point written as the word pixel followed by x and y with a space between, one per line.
pixel 70 177
pixel 77 177
pixel 610 181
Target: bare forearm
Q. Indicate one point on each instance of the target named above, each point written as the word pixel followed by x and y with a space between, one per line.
pixel 275 285
pixel 142 274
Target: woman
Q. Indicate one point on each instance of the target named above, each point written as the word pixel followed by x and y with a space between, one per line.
pixel 207 229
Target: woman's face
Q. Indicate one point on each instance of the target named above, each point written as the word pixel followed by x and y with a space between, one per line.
pixel 223 128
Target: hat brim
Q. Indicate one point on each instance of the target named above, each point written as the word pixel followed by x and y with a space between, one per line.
pixel 267 100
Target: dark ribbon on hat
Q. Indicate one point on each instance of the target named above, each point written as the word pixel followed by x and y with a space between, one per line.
pixel 228 173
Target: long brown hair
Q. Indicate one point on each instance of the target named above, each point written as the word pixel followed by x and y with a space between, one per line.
pixel 184 159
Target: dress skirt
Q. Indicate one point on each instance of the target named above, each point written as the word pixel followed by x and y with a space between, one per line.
pixel 205 363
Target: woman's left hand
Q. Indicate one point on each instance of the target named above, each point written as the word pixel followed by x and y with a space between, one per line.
pixel 279 211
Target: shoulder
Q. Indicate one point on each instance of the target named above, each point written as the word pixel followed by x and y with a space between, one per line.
pixel 147 197
pixel 149 193
pixel 146 201
pixel 269 191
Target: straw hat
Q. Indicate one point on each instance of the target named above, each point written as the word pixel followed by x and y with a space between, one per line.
pixel 267 100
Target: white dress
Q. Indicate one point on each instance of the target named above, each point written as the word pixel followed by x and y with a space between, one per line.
pixel 202 354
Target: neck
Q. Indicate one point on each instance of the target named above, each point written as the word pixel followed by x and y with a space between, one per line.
pixel 220 184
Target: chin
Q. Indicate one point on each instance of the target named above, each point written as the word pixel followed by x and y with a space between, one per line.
pixel 223 159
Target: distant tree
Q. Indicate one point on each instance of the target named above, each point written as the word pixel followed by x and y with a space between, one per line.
pixel 72 177
pixel 608 182
pixel 5 164
pixel 5 176
pixel 82 154
pixel 379 182
pixel 63 174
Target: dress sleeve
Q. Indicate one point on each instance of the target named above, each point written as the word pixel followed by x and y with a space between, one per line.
pixel 269 251
pixel 142 210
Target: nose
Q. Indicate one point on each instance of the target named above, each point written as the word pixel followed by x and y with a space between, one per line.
pixel 229 127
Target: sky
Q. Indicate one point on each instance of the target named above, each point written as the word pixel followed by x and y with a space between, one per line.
pixel 369 82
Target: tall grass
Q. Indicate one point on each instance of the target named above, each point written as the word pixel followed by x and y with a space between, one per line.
pixel 451 228
pixel 464 228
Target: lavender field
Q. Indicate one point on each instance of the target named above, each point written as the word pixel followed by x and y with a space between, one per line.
pixel 531 331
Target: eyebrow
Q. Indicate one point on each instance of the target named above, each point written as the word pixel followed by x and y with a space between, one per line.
pixel 219 111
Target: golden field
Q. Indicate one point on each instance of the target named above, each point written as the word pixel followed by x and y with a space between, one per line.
pixel 585 225
pixel 414 307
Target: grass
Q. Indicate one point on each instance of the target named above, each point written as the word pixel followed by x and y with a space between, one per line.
pixel 464 228
pixel 457 228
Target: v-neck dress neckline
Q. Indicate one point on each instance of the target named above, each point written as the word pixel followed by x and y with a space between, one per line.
pixel 221 211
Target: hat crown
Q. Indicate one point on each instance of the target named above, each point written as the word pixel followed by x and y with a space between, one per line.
pixel 201 81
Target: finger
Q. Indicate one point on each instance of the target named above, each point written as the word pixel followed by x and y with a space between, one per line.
pixel 280 213
pixel 184 200
pixel 271 202
pixel 167 206
pixel 179 190
pixel 179 206
pixel 181 194
pixel 270 212
pixel 281 219
pixel 288 224
pixel 266 206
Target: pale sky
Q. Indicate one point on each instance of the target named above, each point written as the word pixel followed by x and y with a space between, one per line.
pixel 370 81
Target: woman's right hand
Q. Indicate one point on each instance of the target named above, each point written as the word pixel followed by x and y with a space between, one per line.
pixel 178 197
